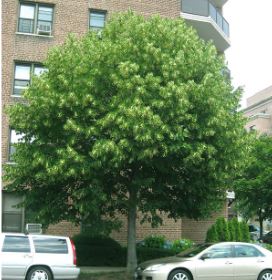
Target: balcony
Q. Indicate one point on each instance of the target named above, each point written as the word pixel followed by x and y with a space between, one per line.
pixel 208 21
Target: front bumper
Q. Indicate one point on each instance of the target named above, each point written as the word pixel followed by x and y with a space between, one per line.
pixel 150 275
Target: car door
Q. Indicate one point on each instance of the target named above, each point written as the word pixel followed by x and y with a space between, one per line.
pixel 16 256
pixel 248 263
pixel 216 263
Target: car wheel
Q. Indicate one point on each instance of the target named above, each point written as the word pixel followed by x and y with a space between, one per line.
pixel 179 274
pixel 39 273
pixel 265 275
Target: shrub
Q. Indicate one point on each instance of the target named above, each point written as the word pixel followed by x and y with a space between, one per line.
pixel 222 229
pixel 212 235
pixel 245 232
pixel 268 247
pixel 98 251
pixel 231 230
pixel 180 245
pixel 155 241
pixel 145 253
pixel 237 230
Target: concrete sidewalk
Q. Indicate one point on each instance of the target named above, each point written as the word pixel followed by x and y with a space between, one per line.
pixel 99 269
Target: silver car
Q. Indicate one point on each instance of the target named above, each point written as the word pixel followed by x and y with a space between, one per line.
pixel 37 257
pixel 228 261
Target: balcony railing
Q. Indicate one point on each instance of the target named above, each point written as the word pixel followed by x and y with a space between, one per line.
pixel 207 9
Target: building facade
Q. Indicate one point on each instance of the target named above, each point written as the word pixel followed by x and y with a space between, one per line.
pixel 31 28
pixel 259 112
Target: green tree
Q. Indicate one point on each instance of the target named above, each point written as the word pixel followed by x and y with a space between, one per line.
pixel 222 229
pixel 245 232
pixel 254 187
pixel 138 118
pixel 212 235
pixel 237 234
pixel 231 230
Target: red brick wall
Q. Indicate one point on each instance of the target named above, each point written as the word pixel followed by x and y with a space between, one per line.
pixel 64 228
pixel 170 229
pixel 196 230
pixel 166 8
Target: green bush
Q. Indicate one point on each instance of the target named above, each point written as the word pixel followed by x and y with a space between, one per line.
pixel 145 254
pixel 105 251
pixel 180 245
pixel 268 247
pixel 222 229
pixel 98 251
pixel 237 230
pixel 232 230
pixel 155 241
pixel 212 236
pixel 244 232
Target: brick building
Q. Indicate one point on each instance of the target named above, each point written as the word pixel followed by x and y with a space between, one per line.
pixel 30 28
pixel 259 111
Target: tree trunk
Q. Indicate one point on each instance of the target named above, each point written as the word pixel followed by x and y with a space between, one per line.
pixel 261 226
pixel 131 238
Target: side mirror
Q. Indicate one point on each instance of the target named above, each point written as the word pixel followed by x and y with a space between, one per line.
pixel 205 256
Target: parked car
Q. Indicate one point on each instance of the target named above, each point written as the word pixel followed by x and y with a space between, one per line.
pixel 267 238
pixel 37 257
pixel 255 232
pixel 228 260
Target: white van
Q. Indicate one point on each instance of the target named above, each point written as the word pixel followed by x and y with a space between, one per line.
pixel 37 257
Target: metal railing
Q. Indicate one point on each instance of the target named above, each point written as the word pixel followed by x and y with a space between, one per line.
pixel 205 8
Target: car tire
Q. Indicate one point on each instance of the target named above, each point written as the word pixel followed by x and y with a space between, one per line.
pixel 39 273
pixel 265 275
pixel 179 274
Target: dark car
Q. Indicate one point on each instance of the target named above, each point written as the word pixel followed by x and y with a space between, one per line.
pixel 267 238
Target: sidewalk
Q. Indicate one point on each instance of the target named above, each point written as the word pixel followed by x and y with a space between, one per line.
pixel 99 269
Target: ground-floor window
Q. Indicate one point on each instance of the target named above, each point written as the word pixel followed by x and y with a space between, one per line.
pixel 12 217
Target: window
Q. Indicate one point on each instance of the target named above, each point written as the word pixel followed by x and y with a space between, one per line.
pixel 97 20
pixel 19 244
pixel 22 76
pixel 218 252
pixel 50 245
pixel 244 251
pixel 35 19
pixel 12 216
pixel 13 140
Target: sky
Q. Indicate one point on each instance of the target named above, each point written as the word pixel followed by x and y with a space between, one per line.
pixel 250 55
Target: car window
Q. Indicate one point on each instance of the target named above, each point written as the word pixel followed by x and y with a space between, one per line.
pixel 244 251
pixel 50 245
pixel 218 252
pixel 193 251
pixel 19 244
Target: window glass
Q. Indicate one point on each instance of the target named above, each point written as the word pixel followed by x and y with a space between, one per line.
pixel 50 245
pixel 218 252
pixel 45 13
pixel 19 244
pixel 14 138
pixel 35 18
pixel 243 251
pixel 27 12
pixel 22 72
pixel 97 20
pixel 38 70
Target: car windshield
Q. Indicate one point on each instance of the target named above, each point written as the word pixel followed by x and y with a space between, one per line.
pixel 193 251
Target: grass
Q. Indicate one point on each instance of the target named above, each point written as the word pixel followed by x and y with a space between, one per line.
pixel 104 276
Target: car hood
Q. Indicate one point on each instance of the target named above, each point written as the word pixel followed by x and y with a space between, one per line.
pixel 167 260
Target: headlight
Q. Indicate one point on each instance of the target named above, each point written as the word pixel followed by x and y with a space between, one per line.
pixel 154 267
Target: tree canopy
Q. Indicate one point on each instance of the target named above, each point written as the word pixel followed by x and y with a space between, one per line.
pixel 137 118
pixel 254 186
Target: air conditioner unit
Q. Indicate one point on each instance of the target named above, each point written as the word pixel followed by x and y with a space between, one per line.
pixel 34 228
pixel 44 29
